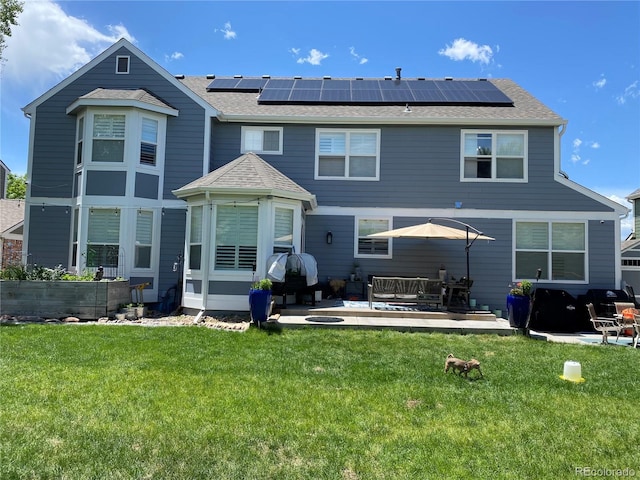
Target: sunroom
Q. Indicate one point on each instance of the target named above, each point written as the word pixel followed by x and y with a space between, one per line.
pixel 238 215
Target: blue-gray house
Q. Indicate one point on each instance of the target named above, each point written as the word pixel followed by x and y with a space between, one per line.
pixel 135 169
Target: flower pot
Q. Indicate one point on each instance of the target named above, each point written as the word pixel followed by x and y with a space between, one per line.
pixel 141 311
pixel 259 305
pixel 518 310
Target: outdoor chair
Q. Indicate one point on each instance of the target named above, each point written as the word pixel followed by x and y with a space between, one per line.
pixel 604 325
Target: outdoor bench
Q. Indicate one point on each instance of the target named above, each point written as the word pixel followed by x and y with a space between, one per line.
pixel 405 290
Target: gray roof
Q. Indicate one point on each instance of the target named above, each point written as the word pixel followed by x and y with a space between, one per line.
pixel 139 95
pixel 244 106
pixel 247 174
pixel 11 213
pixel 634 195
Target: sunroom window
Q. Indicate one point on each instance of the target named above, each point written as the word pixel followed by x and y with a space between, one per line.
pixel 236 245
pixel 349 154
pixel 283 230
pixel 195 238
pixel 494 155
pixel 144 237
pixel 558 248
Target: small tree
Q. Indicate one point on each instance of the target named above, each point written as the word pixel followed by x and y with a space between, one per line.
pixel 16 185
pixel 9 11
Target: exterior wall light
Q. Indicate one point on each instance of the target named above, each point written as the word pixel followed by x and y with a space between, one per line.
pixel 329 238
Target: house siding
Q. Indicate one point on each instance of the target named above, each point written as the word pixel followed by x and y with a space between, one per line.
pixel 53 163
pixel 49 235
pixel 171 248
pixel 419 167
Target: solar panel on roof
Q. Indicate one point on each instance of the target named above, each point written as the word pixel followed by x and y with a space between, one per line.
pixel 223 83
pixel 366 91
pixel 274 95
pixel 304 95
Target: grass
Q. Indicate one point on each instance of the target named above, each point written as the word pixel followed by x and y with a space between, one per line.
pixel 80 402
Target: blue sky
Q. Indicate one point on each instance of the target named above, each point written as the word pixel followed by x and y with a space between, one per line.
pixel 582 59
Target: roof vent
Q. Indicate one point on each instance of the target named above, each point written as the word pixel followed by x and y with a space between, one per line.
pixel 398 70
pixel 387 78
pixel 180 76
pixel 237 76
pixel 211 76
pixel 298 77
pixel 448 78
pixel 327 77
pixel 421 78
pixel 482 79
pixel 359 78
pixel 266 76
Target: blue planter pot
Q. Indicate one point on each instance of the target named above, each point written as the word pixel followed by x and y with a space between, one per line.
pixel 518 310
pixel 259 305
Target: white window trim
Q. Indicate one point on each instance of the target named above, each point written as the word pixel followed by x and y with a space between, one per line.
pixel 525 161
pixel 262 129
pixel 297 223
pixel 81 132
pixel 228 274
pixel 357 219
pixel 118 58
pixel 187 254
pixel 319 131
pixel 548 267
pixel 155 240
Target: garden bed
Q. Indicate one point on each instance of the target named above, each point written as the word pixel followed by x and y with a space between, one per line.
pixel 84 300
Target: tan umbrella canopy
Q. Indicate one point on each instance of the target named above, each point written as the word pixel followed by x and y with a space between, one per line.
pixel 434 230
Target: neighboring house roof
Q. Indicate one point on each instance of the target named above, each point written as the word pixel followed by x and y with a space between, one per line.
pixel 634 195
pixel 11 214
pixel 630 244
pixel 247 174
pixel 126 98
pixel 238 106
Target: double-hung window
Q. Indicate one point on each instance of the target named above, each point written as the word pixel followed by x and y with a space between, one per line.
pixel 283 230
pixel 195 237
pixel 558 248
pixel 499 156
pixel 347 154
pixel 236 245
pixel 149 141
pixel 266 140
pixel 79 140
pixel 103 237
pixel 371 246
pixel 144 238
pixel 108 138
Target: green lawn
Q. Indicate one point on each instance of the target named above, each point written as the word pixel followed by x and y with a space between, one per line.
pixel 80 401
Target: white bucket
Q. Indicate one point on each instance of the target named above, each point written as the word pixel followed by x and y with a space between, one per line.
pixel 572 372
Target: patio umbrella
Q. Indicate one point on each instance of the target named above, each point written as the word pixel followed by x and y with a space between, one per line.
pixel 434 230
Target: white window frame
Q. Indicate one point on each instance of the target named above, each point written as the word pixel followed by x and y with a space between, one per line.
pixel 547 274
pixel 123 57
pixel 347 132
pixel 150 245
pixel 117 211
pixel 494 155
pixel 356 235
pixel 132 139
pixel 143 141
pixel 214 241
pixel 189 240
pixel 261 130
pixel 81 126
pixel 122 139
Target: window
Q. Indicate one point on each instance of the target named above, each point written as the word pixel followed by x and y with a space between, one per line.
pixel 352 154
pixel 195 238
pixel 236 237
pixel 74 248
pixel 494 155
pixel 558 248
pixel 144 237
pixel 372 247
pixel 103 238
pixel 108 138
pixel 149 141
pixel 79 140
pixel 122 64
pixel 262 140
pixel 283 230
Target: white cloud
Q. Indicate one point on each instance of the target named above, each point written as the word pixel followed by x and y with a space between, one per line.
pixel 173 56
pixel 576 143
pixel 295 51
pixel 594 145
pixel 361 60
pixel 630 93
pixel 315 57
pixel 227 32
pixel 48 44
pixel 463 49
pixel 600 83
